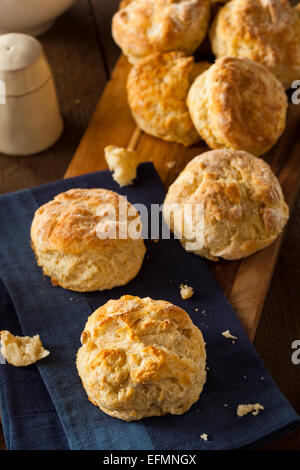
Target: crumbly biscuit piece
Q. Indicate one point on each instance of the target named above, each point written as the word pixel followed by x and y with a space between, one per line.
pixel 243 410
pixel 186 292
pixel 244 208
pixel 123 163
pixel 144 27
pixel 267 31
pixel 238 104
pixel 84 240
pixel 228 335
pixel 157 92
pixel 140 358
pixel 21 351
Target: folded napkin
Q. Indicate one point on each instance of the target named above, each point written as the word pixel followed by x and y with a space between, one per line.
pixel 45 406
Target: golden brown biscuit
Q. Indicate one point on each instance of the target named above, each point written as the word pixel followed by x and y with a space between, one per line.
pixel 239 104
pixel 144 27
pixel 140 358
pixel 79 244
pixel 267 31
pixel 244 208
pixel 157 90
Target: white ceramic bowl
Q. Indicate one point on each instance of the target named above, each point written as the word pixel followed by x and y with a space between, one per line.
pixel 30 16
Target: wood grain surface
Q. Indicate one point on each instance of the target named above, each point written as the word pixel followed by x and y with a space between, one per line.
pixel 82 55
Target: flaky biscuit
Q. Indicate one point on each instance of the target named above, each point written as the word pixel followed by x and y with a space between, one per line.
pixel 144 27
pixel 72 237
pixel 157 91
pixel 267 31
pixel 22 351
pixel 244 208
pixel 141 358
pixel 239 104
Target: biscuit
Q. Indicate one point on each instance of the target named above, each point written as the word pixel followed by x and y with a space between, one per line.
pixel 239 104
pixel 141 358
pixel 157 91
pixel 243 205
pixel 21 351
pixel 267 31
pixel 144 27
pixel 123 163
pixel 81 247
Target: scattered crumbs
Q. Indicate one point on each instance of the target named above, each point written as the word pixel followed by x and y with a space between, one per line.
pixel 71 298
pixel 203 311
pixel 170 164
pixel 245 376
pixel 204 437
pixel 196 309
pixel 155 240
pixel 225 405
pixel 207 368
pixel 77 101
pixel 233 342
pixel 228 335
pixel 186 292
pixel 243 410
pixel 262 378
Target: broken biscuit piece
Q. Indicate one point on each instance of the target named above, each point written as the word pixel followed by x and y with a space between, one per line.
pixel 243 410
pixel 21 351
pixel 186 292
pixel 123 163
pixel 228 335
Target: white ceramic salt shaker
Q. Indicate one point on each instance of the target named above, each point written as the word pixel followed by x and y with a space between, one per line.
pixel 30 120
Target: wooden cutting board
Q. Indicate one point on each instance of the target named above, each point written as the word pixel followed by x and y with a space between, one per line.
pixel 244 282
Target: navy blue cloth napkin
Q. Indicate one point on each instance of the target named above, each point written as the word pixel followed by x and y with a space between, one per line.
pixel 46 407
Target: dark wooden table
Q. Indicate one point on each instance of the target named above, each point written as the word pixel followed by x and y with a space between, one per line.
pixel 82 54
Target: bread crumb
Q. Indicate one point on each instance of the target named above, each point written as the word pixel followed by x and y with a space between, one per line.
pixel 243 410
pixel 204 437
pixel 196 309
pixel 228 335
pixel 21 351
pixel 170 164
pixel 123 163
pixel 186 292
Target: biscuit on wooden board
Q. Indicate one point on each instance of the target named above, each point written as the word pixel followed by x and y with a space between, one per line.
pixel 238 103
pixel 267 31
pixel 244 208
pixel 143 27
pixel 157 91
